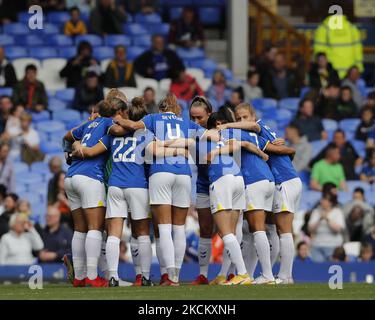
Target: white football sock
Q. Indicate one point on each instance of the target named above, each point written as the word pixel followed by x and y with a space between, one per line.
pixel 93 247
pixel 167 248
pixel 135 255
pixel 204 255
pixel 249 253
pixel 225 265
pixel 239 231
pixel 286 256
pixel 145 255
pixel 113 254
pixel 179 242
pixel 79 254
pixel 234 252
pixel 273 239
pixel 263 250
pixel 163 269
pixel 103 265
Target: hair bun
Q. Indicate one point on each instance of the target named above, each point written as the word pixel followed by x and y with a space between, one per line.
pixel 138 102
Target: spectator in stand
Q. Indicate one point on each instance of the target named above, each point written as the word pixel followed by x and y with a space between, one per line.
pixel 328 169
pixel 366 254
pixel 218 91
pixel 26 143
pixel 75 26
pixel 159 62
pixel 30 92
pixel 8 76
pixel 10 206
pixel 303 252
pixel 368 170
pixel 187 31
pixel 311 126
pixel 149 95
pixel 17 246
pixel 251 88
pixel 367 124
pixel 56 238
pixel 88 94
pixel 265 63
pixel 24 207
pixel 326 226
pixel 143 6
pixel 120 72
pixel 5 111
pixel 280 82
pixel 6 168
pixel 55 166
pixel 106 18
pixel 359 215
pixel 339 255
pixel 185 87
pixel 328 100
pixel 3 194
pixel 236 98
pixel 351 81
pixel 52 5
pixel 77 67
pixel 346 107
pixel 370 238
pixel 302 146
pixel 322 73
pixel 58 198
pixel 370 102
pixel 13 125
pixel 9 10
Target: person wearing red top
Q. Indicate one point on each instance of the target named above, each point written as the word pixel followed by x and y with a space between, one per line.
pixel 185 87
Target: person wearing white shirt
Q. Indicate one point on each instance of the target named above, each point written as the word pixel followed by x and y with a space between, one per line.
pixel 17 245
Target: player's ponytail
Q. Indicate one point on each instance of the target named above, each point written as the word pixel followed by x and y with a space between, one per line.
pixel 170 104
pixel 137 109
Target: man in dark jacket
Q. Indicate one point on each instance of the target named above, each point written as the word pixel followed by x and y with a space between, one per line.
pixel 322 73
pixel 76 67
pixel 30 92
pixel 106 19
pixel 8 76
pixel 158 62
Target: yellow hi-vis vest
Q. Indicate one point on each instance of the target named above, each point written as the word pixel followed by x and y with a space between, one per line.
pixel 343 47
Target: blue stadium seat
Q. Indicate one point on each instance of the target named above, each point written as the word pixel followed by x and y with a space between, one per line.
pixel 305 177
pixel 134 52
pixel 147 18
pixel 289 104
pixel 20 188
pixel 352 184
pixel 318 146
pixel 57 135
pixel 228 74
pixel 66 95
pixel 56 104
pixel 40 116
pixel 59 17
pixel 191 54
pixel 84 115
pixel 43 53
pixel 66 115
pixel 91 38
pixel 29 40
pixel 207 65
pixel 311 197
pixel 28 178
pixel 210 16
pixel 113 40
pixel 304 91
pixel 265 104
pixel 161 28
pixel 24 17
pixel 142 41
pixel 330 125
pixel 15 52
pixel 20 167
pixel 72 124
pixel 16 28
pixel 6 40
pixel 49 28
pixel 67 52
pixel 360 147
pixel 6 91
pixel 349 124
pixel 101 53
pixel 183 104
pixel 175 13
pixel 50 126
pixel 40 167
pixel 135 29
pixel 283 117
pixel 59 40
pixel 272 124
pixel 50 146
pixel 344 197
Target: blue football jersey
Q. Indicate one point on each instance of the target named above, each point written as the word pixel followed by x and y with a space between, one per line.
pixel 281 166
pixel 168 126
pixel 90 133
pixel 253 167
pixel 128 154
pixel 203 181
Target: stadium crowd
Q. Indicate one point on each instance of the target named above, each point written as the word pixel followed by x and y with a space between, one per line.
pixel 328 120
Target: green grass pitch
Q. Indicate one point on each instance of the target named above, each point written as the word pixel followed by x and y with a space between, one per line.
pixel 186 292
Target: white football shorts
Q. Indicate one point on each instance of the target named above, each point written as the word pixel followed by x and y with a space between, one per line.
pixel 287 196
pixel 202 201
pixel 259 195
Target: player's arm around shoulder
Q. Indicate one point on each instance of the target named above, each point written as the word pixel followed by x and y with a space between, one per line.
pixel 82 152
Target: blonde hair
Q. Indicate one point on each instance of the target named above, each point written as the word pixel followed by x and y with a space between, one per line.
pixel 170 104
pixel 26 116
pixel 13 218
pixel 245 106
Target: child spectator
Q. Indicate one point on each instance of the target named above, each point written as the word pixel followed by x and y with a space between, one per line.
pixel 218 91
pixel 346 107
pixel 339 255
pixel 351 81
pixel 251 88
pixel 368 170
pixel 236 98
pixel 328 100
pixel 75 26
pixel 303 254
pixel 366 254
pixel 185 87
pixel 366 125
